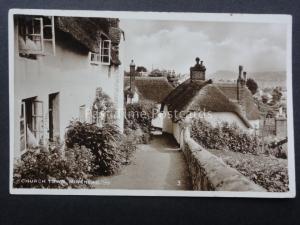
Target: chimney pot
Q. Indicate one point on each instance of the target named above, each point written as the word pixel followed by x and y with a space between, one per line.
pixel 240 71
pixel 245 75
pixel 132 63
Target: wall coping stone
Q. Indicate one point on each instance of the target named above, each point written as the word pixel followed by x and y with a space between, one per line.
pixel 219 175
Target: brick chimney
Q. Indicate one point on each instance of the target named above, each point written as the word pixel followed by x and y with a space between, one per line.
pixel 197 72
pixel 239 84
pixel 245 76
pixel 132 75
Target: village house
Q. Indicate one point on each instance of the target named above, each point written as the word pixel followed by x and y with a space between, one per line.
pixel 141 88
pixel 216 103
pixel 138 88
pixel 59 63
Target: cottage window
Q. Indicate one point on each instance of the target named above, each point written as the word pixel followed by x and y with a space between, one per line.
pixel 31 124
pixel 36 36
pixel 104 55
pixel 105 51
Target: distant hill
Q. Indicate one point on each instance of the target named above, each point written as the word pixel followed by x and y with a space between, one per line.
pixel 264 79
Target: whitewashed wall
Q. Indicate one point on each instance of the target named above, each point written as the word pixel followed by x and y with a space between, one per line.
pixel 167 122
pixel 68 73
pixel 218 117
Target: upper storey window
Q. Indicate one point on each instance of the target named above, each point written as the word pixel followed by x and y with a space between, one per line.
pixel 36 36
pixel 104 55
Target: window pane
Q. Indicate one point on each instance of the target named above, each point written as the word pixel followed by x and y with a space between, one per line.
pixel 105 59
pixel 36 27
pixel 48 32
pixel 30 37
pixel 105 52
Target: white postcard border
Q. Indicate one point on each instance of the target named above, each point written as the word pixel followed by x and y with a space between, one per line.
pixel 209 17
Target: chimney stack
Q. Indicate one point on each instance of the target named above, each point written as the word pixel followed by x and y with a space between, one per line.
pixel 240 71
pixel 197 72
pixel 132 75
pixel 245 75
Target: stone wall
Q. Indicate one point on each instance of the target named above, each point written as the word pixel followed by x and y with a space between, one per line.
pixel 210 173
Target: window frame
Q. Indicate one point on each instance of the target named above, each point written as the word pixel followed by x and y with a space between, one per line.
pixel 101 55
pixel 40 35
pixel 24 135
pixel 102 49
pixel 36 113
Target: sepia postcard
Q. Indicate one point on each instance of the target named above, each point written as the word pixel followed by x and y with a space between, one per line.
pixel 151 104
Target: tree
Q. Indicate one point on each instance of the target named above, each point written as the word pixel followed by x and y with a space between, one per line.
pixel 252 85
pixel 264 99
pixel 276 95
pixel 141 69
pixel 156 73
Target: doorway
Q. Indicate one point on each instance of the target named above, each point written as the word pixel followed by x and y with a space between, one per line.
pixel 54 117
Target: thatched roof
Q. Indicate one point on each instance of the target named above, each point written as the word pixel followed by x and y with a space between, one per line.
pixel 248 103
pixel 85 30
pixel 150 88
pixel 201 96
pixel 89 31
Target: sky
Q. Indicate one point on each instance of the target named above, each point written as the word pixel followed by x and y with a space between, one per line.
pixel 259 47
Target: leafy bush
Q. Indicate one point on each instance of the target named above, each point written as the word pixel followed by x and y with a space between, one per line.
pixel 40 168
pixel 128 147
pixel 102 141
pixel 269 172
pixel 224 137
pixel 140 115
pixel 103 108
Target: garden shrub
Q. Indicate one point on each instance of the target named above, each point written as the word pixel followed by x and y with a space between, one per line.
pixel 41 168
pixel 102 141
pixel 140 115
pixel 224 137
pixel 103 108
pixel 128 147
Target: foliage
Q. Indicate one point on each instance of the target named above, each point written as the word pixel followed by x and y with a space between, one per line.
pixel 267 171
pixel 252 85
pixel 103 110
pixel 264 99
pixel 47 168
pixel 156 73
pixel 141 69
pixel 102 141
pixel 276 95
pixel 224 136
pixel 128 146
pixel 140 115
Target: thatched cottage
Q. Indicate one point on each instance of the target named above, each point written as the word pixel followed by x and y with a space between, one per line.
pixel 138 88
pixel 197 97
pixel 145 88
pixel 59 62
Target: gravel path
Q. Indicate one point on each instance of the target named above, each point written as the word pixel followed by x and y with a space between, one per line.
pixel 158 165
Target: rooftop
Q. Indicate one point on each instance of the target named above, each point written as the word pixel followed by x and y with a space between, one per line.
pixel 150 88
pixel 201 96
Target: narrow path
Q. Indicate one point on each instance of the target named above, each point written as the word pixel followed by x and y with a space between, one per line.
pixel 158 165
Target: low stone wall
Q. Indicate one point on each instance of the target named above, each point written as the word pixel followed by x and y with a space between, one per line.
pixel 210 173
